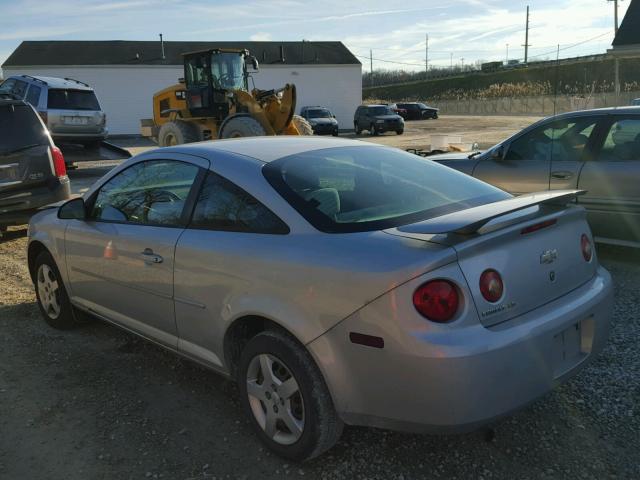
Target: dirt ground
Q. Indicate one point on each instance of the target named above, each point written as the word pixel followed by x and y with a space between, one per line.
pixel 99 403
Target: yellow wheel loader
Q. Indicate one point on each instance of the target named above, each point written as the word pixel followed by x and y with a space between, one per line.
pixel 213 101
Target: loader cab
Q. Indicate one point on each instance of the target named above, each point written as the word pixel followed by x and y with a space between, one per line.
pixel 210 76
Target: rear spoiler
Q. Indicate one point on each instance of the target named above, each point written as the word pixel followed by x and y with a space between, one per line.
pixel 466 222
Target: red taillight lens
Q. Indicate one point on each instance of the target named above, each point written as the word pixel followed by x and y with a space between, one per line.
pixel 437 300
pixel 587 248
pixel 59 167
pixel 491 285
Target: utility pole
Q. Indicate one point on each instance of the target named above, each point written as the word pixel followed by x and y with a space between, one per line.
pixel 526 39
pixel 371 66
pixel 616 61
pixel 507 61
pixel 426 56
pixel 451 61
pixel 462 62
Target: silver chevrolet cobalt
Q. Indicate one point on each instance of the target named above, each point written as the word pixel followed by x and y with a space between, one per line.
pixel 337 281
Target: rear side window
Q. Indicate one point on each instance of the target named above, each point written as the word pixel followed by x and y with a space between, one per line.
pixel 33 97
pixel 20 128
pixel 223 205
pixel 354 189
pixel 65 99
pixel 148 193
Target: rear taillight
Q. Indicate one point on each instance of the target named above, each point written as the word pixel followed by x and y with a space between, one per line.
pixel 59 167
pixel 586 247
pixel 491 285
pixel 437 300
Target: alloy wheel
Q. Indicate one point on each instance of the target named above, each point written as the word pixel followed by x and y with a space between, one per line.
pixel 275 399
pixel 48 291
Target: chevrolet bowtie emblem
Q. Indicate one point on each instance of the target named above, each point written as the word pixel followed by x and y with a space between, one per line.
pixel 549 256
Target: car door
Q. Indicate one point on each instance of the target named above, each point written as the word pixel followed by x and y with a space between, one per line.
pixel 526 163
pixel 611 180
pixel 218 257
pixel 120 260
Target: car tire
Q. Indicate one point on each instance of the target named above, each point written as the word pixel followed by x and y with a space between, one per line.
pixel 335 133
pixel 372 130
pixel 177 133
pixel 53 301
pixel 435 116
pixel 357 128
pixel 302 124
pixel 399 132
pixel 308 406
pixel 241 126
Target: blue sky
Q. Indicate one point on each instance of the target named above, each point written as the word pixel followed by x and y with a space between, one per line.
pixel 469 29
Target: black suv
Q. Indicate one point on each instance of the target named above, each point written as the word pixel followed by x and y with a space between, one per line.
pixel 32 169
pixel 322 121
pixel 416 111
pixel 377 119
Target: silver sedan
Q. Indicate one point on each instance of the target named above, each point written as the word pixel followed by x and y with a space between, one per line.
pixel 338 282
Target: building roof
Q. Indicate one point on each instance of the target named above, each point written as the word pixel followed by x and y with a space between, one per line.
pixel 629 31
pixel 124 52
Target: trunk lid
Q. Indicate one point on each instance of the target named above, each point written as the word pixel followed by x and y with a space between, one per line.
pixel 536 267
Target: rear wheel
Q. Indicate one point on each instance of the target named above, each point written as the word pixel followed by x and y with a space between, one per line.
pixel 286 398
pixel 53 300
pixel 242 126
pixel 177 133
pixel 303 126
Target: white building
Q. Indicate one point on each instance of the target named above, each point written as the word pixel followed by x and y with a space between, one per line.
pixel 126 74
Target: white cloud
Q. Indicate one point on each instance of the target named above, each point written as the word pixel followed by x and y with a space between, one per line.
pixel 261 37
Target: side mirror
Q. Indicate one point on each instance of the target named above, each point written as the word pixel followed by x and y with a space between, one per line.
pixel 254 64
pixel 74 209
pixel 498 153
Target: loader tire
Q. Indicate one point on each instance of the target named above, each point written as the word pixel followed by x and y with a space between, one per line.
pixel 241 126
pixel 177 133
pixel 302 125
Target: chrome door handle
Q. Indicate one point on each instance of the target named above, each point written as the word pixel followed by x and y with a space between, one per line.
pixel 562 175
pixel 149 257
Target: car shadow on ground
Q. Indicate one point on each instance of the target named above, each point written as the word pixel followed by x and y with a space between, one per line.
pixel 13 234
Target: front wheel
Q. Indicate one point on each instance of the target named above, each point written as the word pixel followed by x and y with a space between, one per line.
pixel 285 396
pixel 399 132
pixel 372 130
pixel 53 300
pixel 357 128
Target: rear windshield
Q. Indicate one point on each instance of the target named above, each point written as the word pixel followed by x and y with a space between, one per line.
pixel 72 100
pixel 352 189
pixel 20 128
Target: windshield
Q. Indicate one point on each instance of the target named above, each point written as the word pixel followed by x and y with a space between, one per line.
pixel 319 113
pixel 382 110
pixel 350 189
pixel 20 128
pixel 72 100
pixel 227 71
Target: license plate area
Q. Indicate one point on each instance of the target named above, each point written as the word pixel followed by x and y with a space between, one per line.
pixel 571 346
pixel 75 120
pixel 10 173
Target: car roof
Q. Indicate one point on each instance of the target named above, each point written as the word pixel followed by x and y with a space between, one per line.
pixel 54 82
pixel 598 111
pixel 265 149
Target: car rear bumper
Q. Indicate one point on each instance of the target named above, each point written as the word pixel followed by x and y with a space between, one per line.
pixel 78 137
pixel 429 382
pixel 18 207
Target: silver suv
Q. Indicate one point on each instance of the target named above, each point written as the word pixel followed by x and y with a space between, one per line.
pixel 69 108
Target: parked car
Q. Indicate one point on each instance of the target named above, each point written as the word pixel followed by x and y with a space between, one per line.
pixel 69 108
pixel 337 281
pixel 635 102
pixel 400 111
pixel 418 111
pixel 377 119
pixel 32 169
pixel 594 150
pixel 321 119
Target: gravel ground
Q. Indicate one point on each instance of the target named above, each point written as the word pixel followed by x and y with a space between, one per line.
pixel 99 403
